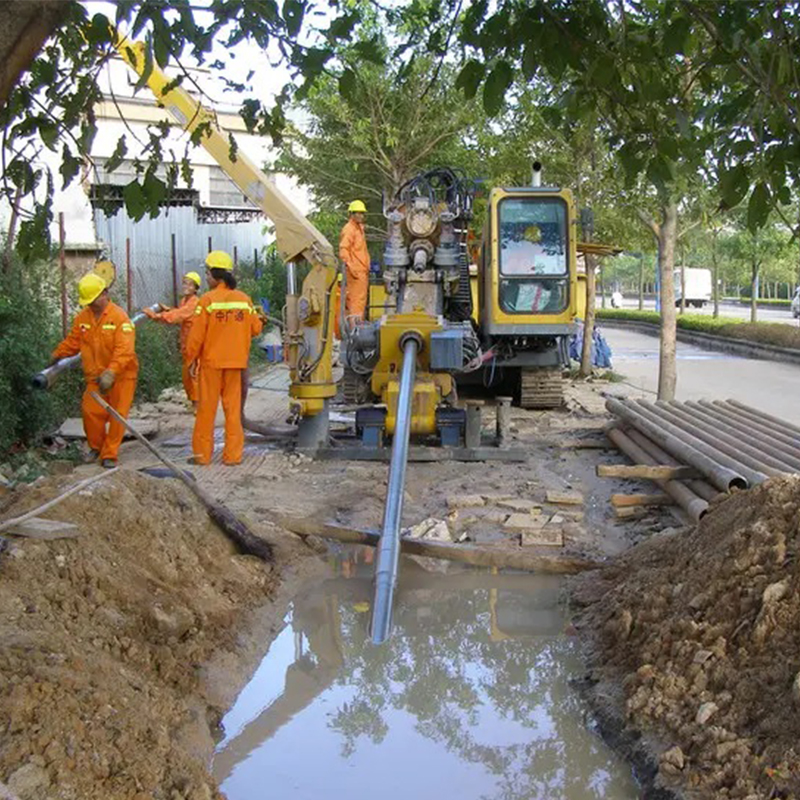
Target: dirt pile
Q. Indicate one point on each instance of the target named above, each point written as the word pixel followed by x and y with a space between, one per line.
pixel 701 629
pixel 103 640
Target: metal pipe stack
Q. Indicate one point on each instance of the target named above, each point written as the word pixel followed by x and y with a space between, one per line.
pixel 730 444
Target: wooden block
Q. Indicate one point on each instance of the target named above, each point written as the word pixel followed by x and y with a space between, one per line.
pixel 565 498
pixel 520 505
pixel 525 522
pixel 38 528
pixel 624 500
pixel 646 472
pixel 465 501
pixel 549 535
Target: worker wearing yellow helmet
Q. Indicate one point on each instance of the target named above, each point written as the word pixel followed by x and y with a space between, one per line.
pixel 354 254
pixel 184 316
pixel 105 337
pixel 219 347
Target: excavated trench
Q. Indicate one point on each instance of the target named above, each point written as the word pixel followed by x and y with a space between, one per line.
pixel 472 697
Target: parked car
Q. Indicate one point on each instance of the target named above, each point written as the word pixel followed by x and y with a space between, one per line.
pixel 796 303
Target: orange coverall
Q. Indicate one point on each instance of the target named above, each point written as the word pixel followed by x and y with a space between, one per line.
pixel 353 252
pixel 224 323
pixel 184 315
pixel 104 342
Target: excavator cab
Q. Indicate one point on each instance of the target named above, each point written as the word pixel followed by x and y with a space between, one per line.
pixel 527 291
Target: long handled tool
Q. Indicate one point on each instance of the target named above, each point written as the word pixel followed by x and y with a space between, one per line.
pixel 226 521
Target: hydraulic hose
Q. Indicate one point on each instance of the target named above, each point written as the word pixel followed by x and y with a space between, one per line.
pixel 47 377
pixel 387 563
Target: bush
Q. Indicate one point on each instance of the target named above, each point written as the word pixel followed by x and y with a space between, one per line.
pixel 778 334
pixel 158 349
pixel 30 326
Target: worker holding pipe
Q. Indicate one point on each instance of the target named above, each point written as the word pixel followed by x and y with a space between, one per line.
pixel 105 337
pixel 184 316
pixel 354 254
pixel 218 349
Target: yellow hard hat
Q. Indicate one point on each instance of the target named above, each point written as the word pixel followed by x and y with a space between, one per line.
pixel 357 205
pixel 193 276
pixel 105 270
pixel 219 259
pixel 90 287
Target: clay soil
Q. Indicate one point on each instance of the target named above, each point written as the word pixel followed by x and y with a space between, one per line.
pixel 694 641
pixel 120 650
pixel 109 639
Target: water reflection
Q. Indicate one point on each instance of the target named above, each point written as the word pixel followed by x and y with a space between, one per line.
pixel 470 698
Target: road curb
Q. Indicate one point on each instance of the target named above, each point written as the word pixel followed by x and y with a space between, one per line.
pixel 739 347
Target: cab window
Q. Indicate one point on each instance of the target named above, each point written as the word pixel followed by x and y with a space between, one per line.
pixel 533 255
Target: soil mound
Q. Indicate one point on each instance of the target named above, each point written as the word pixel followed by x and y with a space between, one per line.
pixel 103 639
pixel 701 628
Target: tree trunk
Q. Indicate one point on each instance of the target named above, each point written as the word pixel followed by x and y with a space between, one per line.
pixel 667 372
pixel 641 282
pixel 715 271
pixel 754 281
pixel 588 327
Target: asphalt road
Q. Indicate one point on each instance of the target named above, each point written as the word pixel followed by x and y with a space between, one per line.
pixel 725 310
pixel 704 374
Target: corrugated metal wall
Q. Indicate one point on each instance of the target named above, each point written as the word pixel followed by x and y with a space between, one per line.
pixel 151 254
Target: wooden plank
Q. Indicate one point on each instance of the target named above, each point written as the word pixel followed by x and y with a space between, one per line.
pixel 514 557
pixel 624 500
pixel 565 498
pixel 646 471
pixel 632 512
pixel 548 536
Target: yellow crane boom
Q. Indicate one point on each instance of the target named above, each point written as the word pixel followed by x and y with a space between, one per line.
pixel 309 314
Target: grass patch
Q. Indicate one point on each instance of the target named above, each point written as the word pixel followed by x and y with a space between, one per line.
pixel 778 334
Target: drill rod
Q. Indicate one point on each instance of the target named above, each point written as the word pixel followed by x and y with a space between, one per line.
pixel 387 563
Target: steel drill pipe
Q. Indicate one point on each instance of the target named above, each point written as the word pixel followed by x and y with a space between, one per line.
pixel 719 456
pixel 687 449
pixel 711 433
pixel 751 417
pixel 787 439
pixel 768 443
pixel 761 415
pixel 700 488
pixel 47 377
pixel 389 547
pixel 693 505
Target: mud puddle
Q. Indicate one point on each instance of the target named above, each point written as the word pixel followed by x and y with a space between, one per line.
pixel 471 698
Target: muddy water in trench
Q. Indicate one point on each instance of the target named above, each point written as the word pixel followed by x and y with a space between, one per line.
pixel 469 699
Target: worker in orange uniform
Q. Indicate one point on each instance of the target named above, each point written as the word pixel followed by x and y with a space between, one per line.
pixel 105 337
pixel 353 252
pixel 184 316
pixel 219 344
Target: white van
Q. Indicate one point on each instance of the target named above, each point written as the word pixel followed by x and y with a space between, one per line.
pixel 698 286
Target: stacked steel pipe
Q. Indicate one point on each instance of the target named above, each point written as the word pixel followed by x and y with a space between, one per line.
pixel 730 444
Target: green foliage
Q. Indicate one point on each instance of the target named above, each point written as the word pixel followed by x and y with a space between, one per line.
pixel 773 333
pixel 159 359
pixel 267 280
pixel 29 329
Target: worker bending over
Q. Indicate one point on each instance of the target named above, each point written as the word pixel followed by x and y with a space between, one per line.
pixel 184 316
pixel 105 337
pixel 219 344
pixel 353 252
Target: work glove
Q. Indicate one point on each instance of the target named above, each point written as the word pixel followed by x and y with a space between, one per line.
pixel 148 312
pixel 106 381
pixel 261 314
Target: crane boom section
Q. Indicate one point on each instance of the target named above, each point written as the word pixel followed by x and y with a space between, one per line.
pixel 295 236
